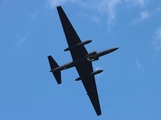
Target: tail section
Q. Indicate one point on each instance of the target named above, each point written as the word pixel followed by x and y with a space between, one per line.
pixel 53 65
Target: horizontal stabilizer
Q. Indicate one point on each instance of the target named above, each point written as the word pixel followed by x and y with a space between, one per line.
pixel 54 65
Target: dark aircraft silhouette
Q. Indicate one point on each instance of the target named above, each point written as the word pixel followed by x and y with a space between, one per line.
pixel 82 60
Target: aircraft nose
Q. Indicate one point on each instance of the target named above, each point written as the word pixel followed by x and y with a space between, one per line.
pixel 116 48
pixel 113 49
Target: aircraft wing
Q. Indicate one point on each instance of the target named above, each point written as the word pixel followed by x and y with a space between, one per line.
pixel 84 68
pixel 71 36
pixel 89 83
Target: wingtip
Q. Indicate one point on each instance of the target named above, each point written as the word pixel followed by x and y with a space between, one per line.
pixel 49 56
pixel 58 7
pixel 59 83
pixel 98 114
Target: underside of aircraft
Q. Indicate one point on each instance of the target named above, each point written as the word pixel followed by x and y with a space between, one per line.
pixel 82 60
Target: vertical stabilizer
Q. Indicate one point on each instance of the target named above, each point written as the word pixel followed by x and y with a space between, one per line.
pixel 53 65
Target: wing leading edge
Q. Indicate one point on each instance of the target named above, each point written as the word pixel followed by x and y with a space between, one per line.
pixel 71 36
pixel 84 68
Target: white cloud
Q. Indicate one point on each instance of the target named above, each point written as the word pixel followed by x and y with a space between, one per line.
pixel 54 3
pixel 34 14
pixel 4 4
pixel 159 8
pixel 110 7
pixel 140 3
pixel 158 33
pixel 143 15
pixel 139 65
pixel 105 8
pixel 19 43
pixel 157 41
pixel 96 19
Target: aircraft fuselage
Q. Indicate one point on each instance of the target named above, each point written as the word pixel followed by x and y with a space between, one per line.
pixel 93 56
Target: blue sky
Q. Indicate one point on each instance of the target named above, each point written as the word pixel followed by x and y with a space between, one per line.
pixel 130 86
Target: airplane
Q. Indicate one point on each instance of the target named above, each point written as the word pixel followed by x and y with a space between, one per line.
pixel 82 60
